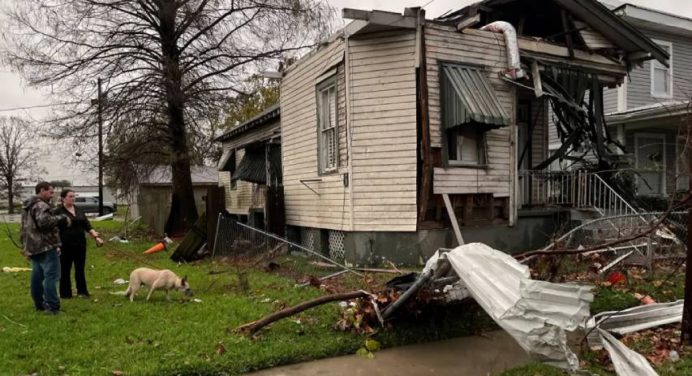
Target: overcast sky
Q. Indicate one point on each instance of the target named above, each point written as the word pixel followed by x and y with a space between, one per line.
pixel 14 94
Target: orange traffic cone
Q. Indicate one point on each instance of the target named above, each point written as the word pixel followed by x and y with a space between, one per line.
pixel 160 246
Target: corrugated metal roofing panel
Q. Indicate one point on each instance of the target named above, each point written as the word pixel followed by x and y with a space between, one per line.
pixel 468 97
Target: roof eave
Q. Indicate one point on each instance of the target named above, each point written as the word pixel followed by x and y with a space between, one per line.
pixel 602 19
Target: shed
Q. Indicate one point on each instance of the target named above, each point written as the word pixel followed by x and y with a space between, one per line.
pixel 154 196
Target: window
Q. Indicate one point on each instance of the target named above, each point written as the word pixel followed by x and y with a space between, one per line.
pixel 328 143
pixel 466 146
pixel 469 108
pixel 650 163
pixel 662 76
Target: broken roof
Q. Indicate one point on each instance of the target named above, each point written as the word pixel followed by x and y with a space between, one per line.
pixel 271 113
pixel 531 16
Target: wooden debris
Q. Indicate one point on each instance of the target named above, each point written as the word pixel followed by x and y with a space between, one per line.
pixel 254 326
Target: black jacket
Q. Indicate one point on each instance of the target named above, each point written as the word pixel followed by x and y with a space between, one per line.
pixel 74 235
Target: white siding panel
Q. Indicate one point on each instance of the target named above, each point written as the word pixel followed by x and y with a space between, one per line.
pixel 329 207
pixel 384 132
pixel 245 196
pixel 445 44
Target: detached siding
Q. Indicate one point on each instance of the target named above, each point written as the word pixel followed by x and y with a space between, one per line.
pixel 383 108
pixel 331 207
pixel 479 48
pixel 246 195
pixel 639 89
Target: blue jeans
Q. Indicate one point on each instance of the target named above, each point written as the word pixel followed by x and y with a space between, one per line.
pixel 45 274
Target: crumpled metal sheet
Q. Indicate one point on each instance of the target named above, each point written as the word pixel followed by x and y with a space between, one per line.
pixel 535 313
pixel 626 361
pixel 634 319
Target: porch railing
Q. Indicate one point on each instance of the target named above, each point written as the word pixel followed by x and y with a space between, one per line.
pixel 571 189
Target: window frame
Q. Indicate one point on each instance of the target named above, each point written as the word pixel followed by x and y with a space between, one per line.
pixel 656 65
pixel 664 162
pixel 481 147
pixel 326 83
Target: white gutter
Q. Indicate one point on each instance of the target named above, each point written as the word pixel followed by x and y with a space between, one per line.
pixel 510 34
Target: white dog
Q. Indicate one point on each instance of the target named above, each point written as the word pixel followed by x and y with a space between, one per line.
pixel 156 279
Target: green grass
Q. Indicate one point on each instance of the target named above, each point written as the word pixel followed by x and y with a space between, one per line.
pixel 107 333
pixel 534 369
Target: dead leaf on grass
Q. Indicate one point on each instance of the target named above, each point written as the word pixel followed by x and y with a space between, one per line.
pixel 220 349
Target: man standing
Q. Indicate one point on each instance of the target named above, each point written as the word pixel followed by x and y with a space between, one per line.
pixel 41 239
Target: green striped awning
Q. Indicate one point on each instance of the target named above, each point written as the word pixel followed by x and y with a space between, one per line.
pixel 467 97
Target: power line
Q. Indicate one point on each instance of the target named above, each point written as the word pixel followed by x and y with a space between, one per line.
pixel 36 106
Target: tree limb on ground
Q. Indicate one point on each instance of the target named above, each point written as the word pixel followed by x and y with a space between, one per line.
pixel 253 327
pixel 626 239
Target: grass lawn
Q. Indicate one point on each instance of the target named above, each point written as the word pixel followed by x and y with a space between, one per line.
pixel 107 333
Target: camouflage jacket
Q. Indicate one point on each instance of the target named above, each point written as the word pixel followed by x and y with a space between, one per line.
pixel 39 232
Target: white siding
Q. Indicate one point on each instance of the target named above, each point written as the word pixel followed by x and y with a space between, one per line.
pixel 245 196
pixel 329 207
pixel 480 48
pixel 383 108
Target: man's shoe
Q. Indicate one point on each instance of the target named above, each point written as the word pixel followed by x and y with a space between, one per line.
pixel 84 296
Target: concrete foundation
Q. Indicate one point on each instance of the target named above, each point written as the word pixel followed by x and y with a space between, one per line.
pixel 532 231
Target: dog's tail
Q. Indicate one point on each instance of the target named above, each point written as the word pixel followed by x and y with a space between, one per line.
pixel 122 293
pixel 128 291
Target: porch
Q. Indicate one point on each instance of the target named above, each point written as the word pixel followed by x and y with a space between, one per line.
pixel 577 189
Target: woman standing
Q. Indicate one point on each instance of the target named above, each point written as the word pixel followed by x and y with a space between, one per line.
pixel 74 246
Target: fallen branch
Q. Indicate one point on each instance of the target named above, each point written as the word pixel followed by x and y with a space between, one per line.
pixel 254 326
pixel 394 267
pixel 14 322
pixel 653 227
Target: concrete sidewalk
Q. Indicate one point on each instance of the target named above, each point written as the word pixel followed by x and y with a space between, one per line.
pixel 477 355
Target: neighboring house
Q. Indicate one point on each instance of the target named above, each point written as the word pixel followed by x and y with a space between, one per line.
pixel 154 194
pixel 250 171
pixel 398 126
pixel 647 110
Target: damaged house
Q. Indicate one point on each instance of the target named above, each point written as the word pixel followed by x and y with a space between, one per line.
pixel 401 134
pixel 250 171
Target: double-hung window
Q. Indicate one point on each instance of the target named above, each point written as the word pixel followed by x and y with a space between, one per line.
pixel 662 76
pixel 328 142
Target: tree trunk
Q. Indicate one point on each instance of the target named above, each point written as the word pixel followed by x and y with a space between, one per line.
pixel 10 194
pixel 183 210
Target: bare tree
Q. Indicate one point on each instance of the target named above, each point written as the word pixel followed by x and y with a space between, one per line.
pixel 18 155
pixel 166 64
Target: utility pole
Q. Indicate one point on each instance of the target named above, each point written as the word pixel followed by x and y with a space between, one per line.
pixel 99 103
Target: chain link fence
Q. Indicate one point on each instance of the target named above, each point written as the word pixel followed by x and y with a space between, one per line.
pixel 244 244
